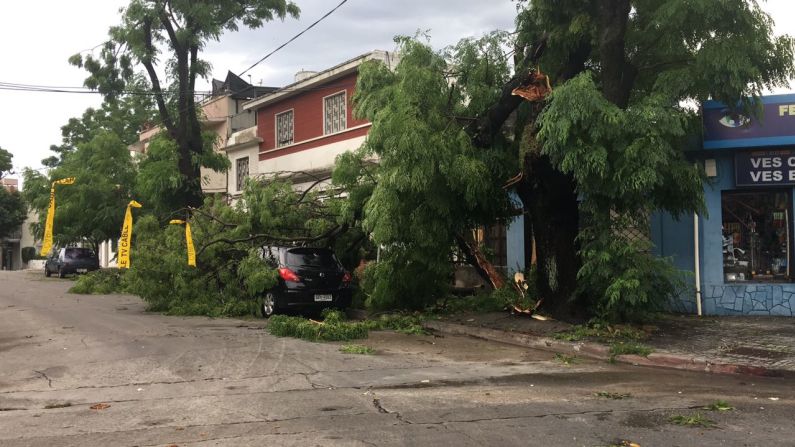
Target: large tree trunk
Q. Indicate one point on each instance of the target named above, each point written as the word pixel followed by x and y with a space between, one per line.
pixel 551 201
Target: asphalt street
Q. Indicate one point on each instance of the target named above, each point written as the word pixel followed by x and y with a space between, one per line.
pixel 156 380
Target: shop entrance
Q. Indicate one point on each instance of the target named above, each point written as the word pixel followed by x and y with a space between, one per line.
pixel 756 235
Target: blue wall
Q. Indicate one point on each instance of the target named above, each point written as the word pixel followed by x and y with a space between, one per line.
pixel 675 239
pixel 515 242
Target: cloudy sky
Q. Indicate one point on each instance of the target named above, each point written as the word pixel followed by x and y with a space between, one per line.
pixel 35 44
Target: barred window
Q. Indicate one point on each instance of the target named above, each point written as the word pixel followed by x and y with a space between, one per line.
pixel 334 113
pixel 241 173
pixel 284 128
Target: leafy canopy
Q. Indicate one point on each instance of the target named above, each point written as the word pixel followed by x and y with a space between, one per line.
pixel 12 208
pixel 620 127
pixel 167 36
pixel 92 209
pixel 431 184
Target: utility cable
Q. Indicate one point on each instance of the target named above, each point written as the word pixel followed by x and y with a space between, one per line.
pixel 294 37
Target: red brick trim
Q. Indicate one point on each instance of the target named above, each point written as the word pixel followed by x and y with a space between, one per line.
pixel 298 147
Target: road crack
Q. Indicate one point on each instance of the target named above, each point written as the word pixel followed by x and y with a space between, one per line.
pixel 44 376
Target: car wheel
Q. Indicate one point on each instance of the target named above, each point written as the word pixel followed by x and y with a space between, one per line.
pixel 61 274
pixel 268 305
pixel 47 272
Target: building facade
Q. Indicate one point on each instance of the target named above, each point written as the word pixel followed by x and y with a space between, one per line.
pixel 739 253
pixel 301 128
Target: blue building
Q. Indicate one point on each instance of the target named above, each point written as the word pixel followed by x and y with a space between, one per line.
pixel 743 264
pixel 743 261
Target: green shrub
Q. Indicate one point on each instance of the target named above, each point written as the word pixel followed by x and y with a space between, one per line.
pixel 100 282
pixel 28 253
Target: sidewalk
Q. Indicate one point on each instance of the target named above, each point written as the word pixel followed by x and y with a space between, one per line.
pixel 735 345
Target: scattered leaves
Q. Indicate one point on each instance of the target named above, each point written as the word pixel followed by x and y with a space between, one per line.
pixel 567 359
pixel 719 405
pixel 696 420
pixel 611 395
pixel 357 349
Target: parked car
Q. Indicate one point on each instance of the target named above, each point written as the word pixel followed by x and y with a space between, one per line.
pixel 71 260
pixel 310 279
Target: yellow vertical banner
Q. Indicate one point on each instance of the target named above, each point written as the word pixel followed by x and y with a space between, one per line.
pixel 46 245
pixel 126 236
pixel 188 241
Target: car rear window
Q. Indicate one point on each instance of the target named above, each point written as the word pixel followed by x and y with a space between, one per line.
pixel 308 257
pixel 78 253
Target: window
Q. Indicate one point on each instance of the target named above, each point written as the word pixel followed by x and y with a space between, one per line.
pixel 756 241
pixel 284 128
pixel 334 113
pixel 78 253
pixel 241 172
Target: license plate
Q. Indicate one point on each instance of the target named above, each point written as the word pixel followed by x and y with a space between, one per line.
pixel 323 297
pixel 82 270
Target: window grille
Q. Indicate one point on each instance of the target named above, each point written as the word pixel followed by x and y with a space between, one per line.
pixel 284 128
pixel 334 116
pixel 242 173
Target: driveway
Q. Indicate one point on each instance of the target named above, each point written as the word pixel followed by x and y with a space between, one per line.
pixel 165 381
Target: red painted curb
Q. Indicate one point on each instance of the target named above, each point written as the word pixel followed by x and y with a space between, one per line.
pixel 601 352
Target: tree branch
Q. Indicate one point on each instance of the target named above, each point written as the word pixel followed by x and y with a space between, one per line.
pixel 165 115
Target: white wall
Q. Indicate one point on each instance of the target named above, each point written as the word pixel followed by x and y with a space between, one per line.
pixel 319 158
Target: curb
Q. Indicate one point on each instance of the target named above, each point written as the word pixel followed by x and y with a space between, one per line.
pixel 601 352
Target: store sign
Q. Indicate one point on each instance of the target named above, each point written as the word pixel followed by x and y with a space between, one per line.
pixel 761 168
pixel 724 128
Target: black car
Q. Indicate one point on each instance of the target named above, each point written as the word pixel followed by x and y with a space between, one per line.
pixel 310 279
pixel 71 260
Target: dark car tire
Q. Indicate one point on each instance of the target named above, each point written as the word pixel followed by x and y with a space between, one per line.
pixel 61 274
pixel 268 305
pixel 47 272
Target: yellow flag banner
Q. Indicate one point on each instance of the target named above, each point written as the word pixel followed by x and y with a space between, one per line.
pixel 126 236
pixel 46 245
pixel 188 241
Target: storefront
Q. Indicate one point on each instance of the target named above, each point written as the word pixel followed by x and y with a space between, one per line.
pixel 745 241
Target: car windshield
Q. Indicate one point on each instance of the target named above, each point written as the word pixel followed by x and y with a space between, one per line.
pixel 308 257
pixel 78 253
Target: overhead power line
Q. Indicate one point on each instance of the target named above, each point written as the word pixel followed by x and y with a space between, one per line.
pixel 294 37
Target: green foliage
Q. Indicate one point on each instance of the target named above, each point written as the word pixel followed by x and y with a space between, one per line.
pixel 6 163
pixel 123 117
pixel 92 209
pixel 12 211
pixel 405 323
pixel 357 349
pixel 100 282
pixel 168 37
pixel 622 138
pixel 335 326
pixel 481 302
pixel 28 254
pixel 612 395
pixel 431 184
pixel 719 405
pixel 695 420
pixel 601 331
pixel 567 360
pixel 231 276
pixel 12 207
pixel 287 326
pixel 226 281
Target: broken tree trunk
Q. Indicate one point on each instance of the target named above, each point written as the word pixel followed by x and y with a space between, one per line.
pixel 482 265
